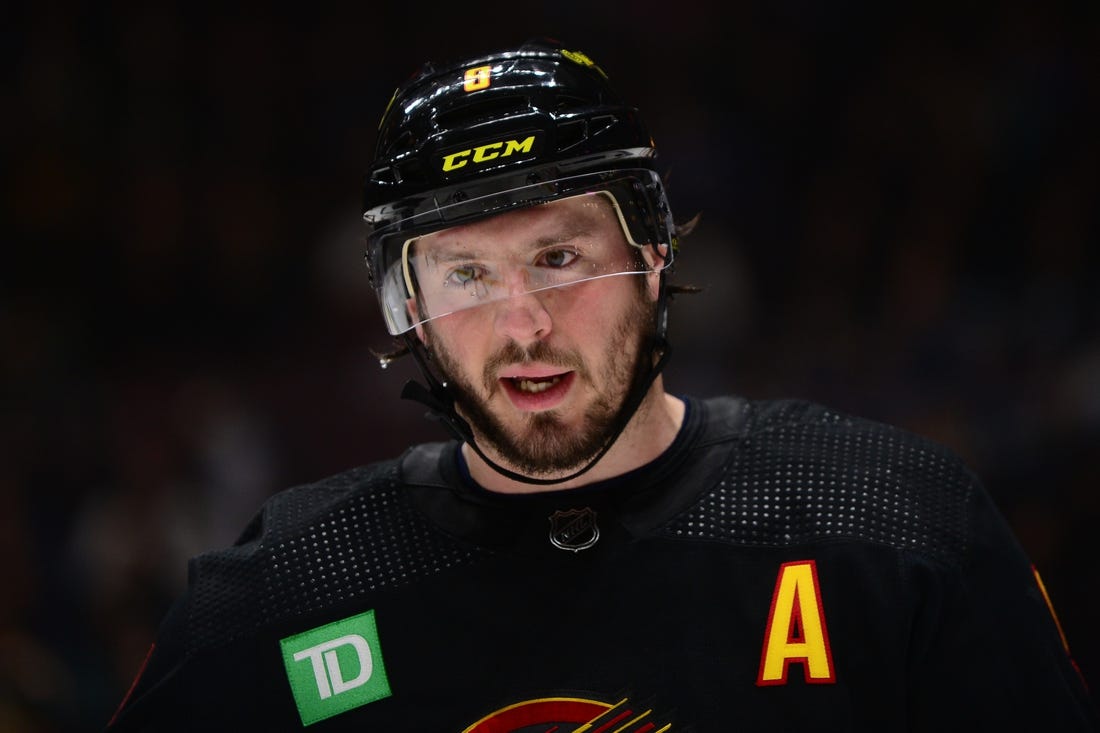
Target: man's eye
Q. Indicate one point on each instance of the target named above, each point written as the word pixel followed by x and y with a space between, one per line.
pixel 464 275
pixel 559 258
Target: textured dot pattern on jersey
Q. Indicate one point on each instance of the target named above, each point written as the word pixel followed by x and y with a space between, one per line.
pixel 354 543
pixel 804 473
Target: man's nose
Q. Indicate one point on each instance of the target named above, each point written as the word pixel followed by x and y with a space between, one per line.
pixel 523 318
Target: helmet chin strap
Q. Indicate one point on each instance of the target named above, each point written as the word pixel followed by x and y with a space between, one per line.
pixel 441 404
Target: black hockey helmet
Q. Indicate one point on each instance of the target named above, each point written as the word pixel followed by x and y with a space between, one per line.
pixel 468 140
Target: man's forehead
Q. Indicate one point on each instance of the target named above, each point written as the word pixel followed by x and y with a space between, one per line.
pixel 569 216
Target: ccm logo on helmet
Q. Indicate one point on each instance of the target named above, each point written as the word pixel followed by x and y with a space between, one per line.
pixel 488 152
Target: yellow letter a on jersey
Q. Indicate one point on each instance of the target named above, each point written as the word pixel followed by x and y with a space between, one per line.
pixel 796 628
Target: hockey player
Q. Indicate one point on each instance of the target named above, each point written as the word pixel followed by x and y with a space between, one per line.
pixel 591 552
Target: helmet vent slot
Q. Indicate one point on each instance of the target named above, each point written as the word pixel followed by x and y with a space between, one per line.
pixel 409 171
pixel 406 141
pixel 596 125
pixel 567 102
pixel 480 111
pixel 571 133
pixel 384 176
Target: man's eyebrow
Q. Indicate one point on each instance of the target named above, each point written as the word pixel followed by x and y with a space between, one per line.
pixel 580 223
pixel 440 253
pixel 458 252
pixel 566 235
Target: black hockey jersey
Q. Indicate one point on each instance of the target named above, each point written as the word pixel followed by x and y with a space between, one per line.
pixel 780 567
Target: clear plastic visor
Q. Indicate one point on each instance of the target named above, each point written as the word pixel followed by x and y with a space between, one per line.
pixel 565 242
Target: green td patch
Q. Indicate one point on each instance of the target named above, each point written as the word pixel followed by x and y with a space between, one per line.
pixel 335 667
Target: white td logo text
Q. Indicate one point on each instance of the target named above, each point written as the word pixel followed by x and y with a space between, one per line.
pixel 330 679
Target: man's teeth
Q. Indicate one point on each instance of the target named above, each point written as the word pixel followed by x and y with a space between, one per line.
pixel 527 385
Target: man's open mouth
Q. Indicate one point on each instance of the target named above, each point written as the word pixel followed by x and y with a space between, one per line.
pixel 534 392
pixel 534 385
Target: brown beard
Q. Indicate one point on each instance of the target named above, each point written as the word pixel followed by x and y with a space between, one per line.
pixel 545 445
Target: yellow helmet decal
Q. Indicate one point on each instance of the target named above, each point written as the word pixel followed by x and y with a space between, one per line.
pixel 476 78
pixel 582 59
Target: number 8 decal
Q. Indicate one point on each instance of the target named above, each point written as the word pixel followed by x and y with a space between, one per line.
pixel 476 78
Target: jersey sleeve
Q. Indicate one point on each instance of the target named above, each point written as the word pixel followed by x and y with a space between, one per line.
pixel 988 653
pixel 162 693
pixel 149 701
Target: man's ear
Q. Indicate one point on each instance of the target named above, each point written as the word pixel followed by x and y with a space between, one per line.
pixel 414 312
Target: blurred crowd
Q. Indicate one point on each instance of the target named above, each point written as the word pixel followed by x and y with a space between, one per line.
pixel 898 219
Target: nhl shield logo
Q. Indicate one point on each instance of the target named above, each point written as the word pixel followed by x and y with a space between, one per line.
pixel 574 529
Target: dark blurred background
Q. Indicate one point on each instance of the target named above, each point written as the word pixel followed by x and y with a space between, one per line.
pixel 898 219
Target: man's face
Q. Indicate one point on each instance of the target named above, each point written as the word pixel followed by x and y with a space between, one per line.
pixel 542 375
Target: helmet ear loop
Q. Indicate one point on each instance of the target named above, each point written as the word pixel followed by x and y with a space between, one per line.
pixel 660 332
pixel 660 335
